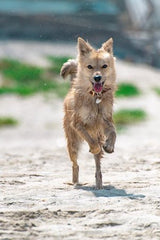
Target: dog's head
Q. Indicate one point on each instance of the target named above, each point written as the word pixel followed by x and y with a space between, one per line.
pixel 96 67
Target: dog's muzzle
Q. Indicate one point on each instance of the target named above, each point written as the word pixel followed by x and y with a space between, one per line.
pixel 97 83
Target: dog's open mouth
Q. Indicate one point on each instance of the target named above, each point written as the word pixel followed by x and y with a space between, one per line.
pixel 97 87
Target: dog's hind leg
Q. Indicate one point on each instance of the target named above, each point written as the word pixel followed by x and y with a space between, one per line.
pixel 98 174
pixel 73 143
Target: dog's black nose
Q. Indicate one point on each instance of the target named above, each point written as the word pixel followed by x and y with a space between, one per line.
pixel 97 78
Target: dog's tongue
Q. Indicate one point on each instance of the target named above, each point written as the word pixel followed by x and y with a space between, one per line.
pixel 98 87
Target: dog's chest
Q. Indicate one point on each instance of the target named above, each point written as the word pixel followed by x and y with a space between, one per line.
pixel 90 115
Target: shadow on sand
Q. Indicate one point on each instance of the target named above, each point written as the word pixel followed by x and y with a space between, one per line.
pixel 109 191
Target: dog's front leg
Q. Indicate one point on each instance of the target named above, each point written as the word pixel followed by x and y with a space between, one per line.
pixel 110 133
pixel 81 130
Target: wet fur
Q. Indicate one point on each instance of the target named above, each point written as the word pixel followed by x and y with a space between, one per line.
pixel 84 119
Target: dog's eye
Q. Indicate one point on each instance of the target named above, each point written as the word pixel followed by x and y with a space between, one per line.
pixel 89 67
pixel 104 66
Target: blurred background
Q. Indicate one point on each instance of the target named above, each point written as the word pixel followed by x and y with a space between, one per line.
pixel 134 24
pixel 38 36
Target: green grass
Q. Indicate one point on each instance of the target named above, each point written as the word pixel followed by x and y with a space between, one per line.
pixel 23 91
pixel 125 117
pixel 57 63
pixel 24 79
pixel 60 89
pixel 20 72
pixel 8 121
pixel 127 90
pixel 157 90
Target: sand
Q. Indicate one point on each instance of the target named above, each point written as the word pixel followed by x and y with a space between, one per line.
pixel 36 201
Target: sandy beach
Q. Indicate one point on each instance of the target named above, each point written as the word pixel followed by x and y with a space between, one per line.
pixel 36 198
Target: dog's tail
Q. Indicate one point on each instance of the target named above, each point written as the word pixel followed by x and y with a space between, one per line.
pixel 69 68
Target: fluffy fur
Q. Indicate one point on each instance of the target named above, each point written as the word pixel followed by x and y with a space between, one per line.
pixel 69 68
pixel 89 103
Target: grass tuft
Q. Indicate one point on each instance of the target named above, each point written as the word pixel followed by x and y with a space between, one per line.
pixel 25 79
pixel 20 72
pixel 127 90
pixel 125 117
pixel 157 90
pixel 60 89
pixel 8 121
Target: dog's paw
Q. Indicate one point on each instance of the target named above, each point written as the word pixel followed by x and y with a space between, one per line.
pixel 99 186
pixel 108 147
pixel 95 149
pixel 109 144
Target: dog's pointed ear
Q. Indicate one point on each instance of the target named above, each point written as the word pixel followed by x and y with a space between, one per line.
pixel 83 46
pixel 108 46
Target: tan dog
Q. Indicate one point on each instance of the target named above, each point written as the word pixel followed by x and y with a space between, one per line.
pixel 88 105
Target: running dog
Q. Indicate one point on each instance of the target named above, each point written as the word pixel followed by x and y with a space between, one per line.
pixel 88 106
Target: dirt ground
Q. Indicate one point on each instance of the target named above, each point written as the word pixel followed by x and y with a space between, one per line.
pixel 36 201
